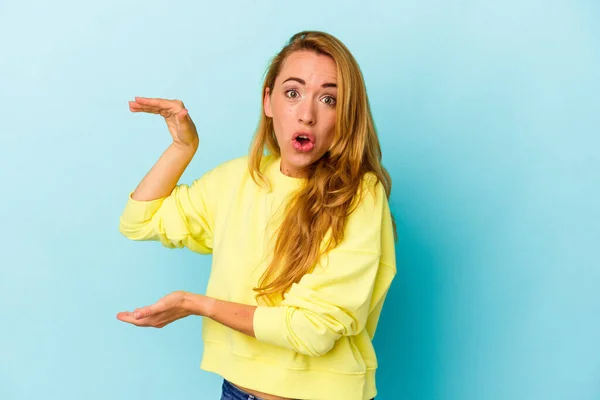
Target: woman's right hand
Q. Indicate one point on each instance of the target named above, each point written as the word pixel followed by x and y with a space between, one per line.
pixel 178 120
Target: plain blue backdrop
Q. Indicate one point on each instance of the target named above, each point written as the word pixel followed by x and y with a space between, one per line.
pixel 488 113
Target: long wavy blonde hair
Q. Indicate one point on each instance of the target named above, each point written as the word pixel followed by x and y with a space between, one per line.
pixel 320 209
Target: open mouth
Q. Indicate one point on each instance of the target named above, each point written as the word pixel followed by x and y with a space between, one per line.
pixel 303 142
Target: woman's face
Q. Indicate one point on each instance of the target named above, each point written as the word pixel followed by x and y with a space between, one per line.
pixel 302 105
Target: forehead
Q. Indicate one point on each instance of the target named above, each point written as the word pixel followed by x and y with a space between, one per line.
pixel 310 66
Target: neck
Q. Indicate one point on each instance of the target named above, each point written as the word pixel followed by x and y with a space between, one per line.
pixel 293 173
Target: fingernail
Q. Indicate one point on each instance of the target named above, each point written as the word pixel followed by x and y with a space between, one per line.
pixel 137 315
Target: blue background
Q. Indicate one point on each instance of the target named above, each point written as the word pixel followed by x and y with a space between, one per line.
pixel 489 117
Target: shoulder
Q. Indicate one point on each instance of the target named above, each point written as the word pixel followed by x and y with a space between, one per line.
pixel 235 166
pixel 367 224
pixel 226 170
pixel 362 228
pixel 371 192
pixel 369 202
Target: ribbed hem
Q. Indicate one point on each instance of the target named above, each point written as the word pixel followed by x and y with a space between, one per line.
pixel 274 379
pixel 268 327
pixel 140 210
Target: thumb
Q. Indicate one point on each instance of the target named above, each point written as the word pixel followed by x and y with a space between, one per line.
pixel 182 119
pixel 182 115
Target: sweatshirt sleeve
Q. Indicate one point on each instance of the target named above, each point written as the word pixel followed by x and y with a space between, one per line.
pixel 337 297
pixel 184 218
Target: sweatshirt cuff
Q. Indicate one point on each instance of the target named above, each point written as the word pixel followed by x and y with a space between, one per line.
pixel 140 210
pixel 269 325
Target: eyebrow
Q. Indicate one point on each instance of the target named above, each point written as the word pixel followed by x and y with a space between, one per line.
pixel 303 82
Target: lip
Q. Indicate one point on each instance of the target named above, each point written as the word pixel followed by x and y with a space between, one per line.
pixel 309 135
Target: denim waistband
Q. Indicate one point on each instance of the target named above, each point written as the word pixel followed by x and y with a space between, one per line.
pixel 232 392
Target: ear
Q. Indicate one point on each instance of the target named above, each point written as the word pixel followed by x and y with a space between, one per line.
pixel 267 103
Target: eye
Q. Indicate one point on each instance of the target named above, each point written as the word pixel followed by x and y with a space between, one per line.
pixel 329 100
pixel 292 93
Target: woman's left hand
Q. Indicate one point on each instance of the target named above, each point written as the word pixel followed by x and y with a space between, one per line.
pixel 170 308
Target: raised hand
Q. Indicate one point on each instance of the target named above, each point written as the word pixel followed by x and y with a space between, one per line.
pixel 176 116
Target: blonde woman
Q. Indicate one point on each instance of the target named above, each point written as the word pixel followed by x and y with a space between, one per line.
pixel 300 231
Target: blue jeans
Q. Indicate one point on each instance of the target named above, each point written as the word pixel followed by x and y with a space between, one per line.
pixel 231 392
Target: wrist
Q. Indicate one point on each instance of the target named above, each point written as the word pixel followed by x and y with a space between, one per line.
pixel 198 304
pixel 187 147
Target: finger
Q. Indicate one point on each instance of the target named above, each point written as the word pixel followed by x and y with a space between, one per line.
pixel 165 112
pixel 140 105
pixel 147 101
pixel 147 311
pixel 144 109
pixel 162 103
pixel 126 316
pixel 137 105
pixel 130 318
pixel 133 104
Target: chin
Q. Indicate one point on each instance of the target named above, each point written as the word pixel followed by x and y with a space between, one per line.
pixel 300 161
pixel 303 160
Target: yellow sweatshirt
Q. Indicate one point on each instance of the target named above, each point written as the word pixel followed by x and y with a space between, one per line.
pixel 316 343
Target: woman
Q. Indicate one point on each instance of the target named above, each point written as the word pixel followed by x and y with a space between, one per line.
pixel 302 238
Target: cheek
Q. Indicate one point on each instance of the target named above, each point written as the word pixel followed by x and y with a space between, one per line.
pixel 282 115
pixel 330 127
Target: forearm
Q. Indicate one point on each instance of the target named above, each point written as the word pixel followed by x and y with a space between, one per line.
pixel 233 315
pixel 163 176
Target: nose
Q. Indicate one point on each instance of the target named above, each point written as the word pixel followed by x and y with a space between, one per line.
pixel 307 112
